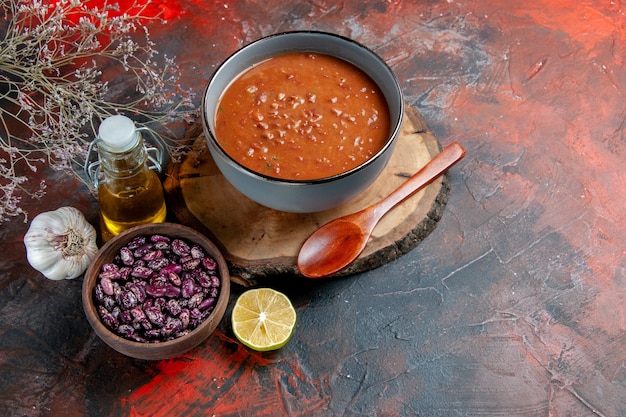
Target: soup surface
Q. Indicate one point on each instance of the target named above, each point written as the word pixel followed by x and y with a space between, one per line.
pixel 302 116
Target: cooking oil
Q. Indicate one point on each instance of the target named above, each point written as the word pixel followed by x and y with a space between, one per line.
pixel 129 192
pixel 132 202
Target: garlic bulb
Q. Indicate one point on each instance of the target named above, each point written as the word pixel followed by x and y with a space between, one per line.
pixel 61 243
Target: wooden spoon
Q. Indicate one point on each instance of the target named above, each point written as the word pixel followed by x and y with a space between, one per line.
pixel 340 241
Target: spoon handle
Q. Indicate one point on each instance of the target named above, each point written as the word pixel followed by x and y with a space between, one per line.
pixel 450 155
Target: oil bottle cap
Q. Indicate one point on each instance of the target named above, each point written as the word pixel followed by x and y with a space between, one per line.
pixel 118 133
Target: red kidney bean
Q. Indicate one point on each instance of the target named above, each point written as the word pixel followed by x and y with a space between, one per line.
pixel 139 291
pixel 175 268
pixel 127 299
pixel 203 279
pixel 98 293
pixel 162 246
pixel 160 302
pixel 171 325
pixel 157 280
pixel 153 333
pixel 126 316
pixel 158 264
pixel 155 315
pixel 195 313
pixel 188 288
pixel 125 272
pixel 206 303
pixel 181 333
pixel 191 264
pixel 126 256
pixel 112 275
pixel 125 330
pixel 180 247
pixel 172 291
pixel 195 300
pixel 108 319
pixel 209 264
pixel 186 258
pixel 159 238
pixel 144 324
pixel 136 242
pixel 142 251
pixel 184 317
pixel 111 271
pixel 108 302
pixel 152 255
pixel 174 278
pixel 107 285
pixel 156 289
pixel 138 314
pixel 116 289
pixel 141 272
pixel 173 306
pixel 196 252
pixel 213 292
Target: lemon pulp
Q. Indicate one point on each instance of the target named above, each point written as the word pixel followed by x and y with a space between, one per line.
pixel 263 319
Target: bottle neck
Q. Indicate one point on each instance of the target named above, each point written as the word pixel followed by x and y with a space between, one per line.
pixel 123 164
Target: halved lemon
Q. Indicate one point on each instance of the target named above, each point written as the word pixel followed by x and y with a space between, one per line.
pixel 263 319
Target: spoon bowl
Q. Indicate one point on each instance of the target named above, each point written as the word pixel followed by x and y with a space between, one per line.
pixel 336 243
pixel 339 242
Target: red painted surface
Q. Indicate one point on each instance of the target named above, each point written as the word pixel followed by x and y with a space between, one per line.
pixel 186 381
pixel 148 9
pixel 515 304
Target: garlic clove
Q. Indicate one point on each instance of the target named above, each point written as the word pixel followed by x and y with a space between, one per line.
pixel 68 269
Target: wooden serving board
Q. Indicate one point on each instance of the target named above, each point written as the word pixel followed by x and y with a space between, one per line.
pixel 261 242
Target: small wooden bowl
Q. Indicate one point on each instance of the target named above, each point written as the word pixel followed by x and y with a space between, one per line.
pixel 163 350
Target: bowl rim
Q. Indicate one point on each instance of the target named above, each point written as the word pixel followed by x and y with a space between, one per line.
pixel 153 349
pixel 396 122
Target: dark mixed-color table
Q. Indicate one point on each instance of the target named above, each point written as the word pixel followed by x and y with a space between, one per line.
pixel 515 305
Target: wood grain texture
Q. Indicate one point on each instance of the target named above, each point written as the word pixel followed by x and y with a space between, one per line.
pixel 260 242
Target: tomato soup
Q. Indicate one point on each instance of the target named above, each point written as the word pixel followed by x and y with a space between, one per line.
pixel 302 116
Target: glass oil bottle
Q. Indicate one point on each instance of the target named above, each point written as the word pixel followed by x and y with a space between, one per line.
pixel 129 190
